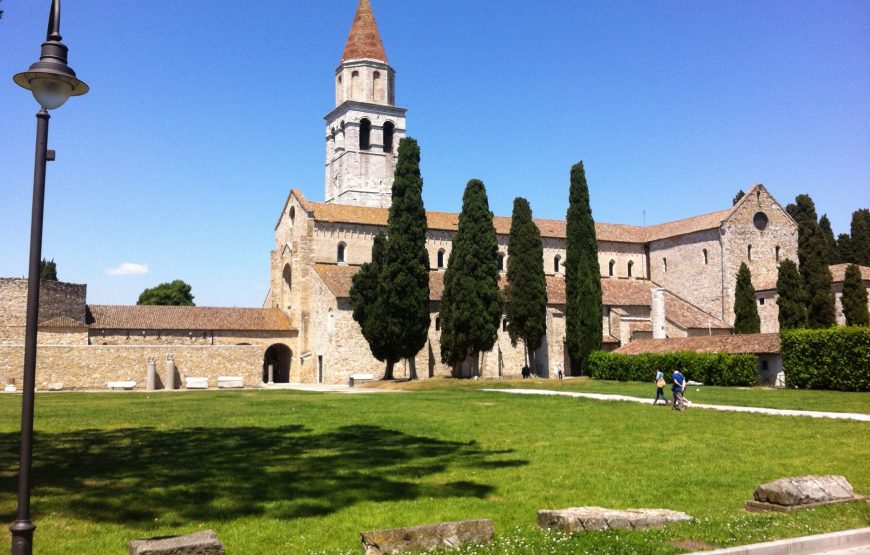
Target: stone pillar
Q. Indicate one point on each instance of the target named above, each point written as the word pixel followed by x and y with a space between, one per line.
pixel 151 380
pixel 271 373
pixel 169 380
pixel 657 313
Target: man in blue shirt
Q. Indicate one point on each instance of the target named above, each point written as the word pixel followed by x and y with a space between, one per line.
pixel 678 386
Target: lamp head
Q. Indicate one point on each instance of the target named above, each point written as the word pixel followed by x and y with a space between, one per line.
pixel 50 79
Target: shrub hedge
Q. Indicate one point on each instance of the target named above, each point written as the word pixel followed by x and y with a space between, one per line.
pixel 833 358
pixel 708 368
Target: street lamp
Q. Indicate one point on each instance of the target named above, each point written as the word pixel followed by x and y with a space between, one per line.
pixel 52 82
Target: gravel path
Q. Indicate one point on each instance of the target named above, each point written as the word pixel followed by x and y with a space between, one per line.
pixel 756 410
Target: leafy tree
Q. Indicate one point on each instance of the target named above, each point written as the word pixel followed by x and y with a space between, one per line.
pixel 746 318
pixel 404 279
pixel 368 310
pixel 48 270
pixel 583 326
pixel 813 264
pixel 792 300
pixel 860 232
pixel 740 194
pixel 855 298
pixel 844 247
pixel 176 293
pixel 471 303
pixel 526 290
pixel 833 254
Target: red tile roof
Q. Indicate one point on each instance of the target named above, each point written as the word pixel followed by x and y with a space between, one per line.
pixel 143 317
pixel 757 343
pixel 449 221
pixel 63 322
pixel 364 40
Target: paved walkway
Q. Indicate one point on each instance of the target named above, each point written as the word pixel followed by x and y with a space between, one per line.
pixel 847 542
pixel 729 408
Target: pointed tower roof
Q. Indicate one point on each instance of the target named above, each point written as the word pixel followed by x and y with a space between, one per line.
pixel 364 40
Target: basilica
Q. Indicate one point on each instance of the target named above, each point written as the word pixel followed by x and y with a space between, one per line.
pixel 671 280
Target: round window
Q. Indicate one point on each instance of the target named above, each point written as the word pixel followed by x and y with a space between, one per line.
pixel 760 220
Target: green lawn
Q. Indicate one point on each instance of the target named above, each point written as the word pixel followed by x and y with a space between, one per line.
pixel 829 401
pixel 289 472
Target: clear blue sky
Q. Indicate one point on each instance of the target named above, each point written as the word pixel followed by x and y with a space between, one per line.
pixel 203 115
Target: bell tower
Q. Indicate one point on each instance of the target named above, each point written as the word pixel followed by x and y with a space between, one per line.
pixel 363 131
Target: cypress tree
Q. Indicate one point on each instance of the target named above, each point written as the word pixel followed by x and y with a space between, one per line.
pixel 855 298
pixel 791 301
pixel 832 253
pixel 48 270
pixel 471 303
pixel 814 269
pixel 860 231
pixel 583 326
pixel 368 310
pixel 526 290
pixel 404 278
pixel 844 247
pixel 740 194
pixel 746 318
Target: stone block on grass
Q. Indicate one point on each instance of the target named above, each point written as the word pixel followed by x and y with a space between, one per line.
pixel 587 519
pixel 442 535
pixel 801 492
pixel 198 543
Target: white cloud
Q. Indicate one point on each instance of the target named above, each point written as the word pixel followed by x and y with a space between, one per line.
pixel 128 269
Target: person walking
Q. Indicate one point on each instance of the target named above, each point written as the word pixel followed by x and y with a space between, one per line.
pixel 559 371
pixel 679 385
pixel 660 388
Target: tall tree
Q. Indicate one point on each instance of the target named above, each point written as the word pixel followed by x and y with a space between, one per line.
pixel 175 293
pixel 582 275
pixel 48 270
pixel 404 283
pixel 368 310
pixel 813 264
pixel 746 318
pixel 855 298
pixel 526 290
pixel 831 251
pixel 844 247
pixel 740 194
pixel 791 298
pixel 471 303
pixel 860 232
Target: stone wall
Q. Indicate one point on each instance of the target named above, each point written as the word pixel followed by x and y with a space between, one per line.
pixel 678 264
pixel 777 241
pixel 92 366
pixel 56 298
pixel 185 337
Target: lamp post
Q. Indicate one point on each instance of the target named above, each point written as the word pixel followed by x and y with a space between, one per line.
pixel 52 82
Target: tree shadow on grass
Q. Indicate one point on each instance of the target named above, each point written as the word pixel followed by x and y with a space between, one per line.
pixel 136 475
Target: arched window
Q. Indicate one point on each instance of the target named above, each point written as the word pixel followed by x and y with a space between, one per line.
pixel 365 134
pixel 665 263
pixel 376 82
pixel 504 324
pixel 292 214
pixel 777 253
pixel 749 252
pixel 610 267
pixel 440 258
pixel 557 262
pixel 388 136
pixel 339 255
pixel 630 264
pixel 355 86
pixel 501 262
pixel 705 256
pixel 437 323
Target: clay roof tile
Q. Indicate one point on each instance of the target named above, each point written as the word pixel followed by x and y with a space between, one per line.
pixel 364 40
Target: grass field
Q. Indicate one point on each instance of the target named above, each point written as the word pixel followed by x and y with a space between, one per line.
pixel 293 472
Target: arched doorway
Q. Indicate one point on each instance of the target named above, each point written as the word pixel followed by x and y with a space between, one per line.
pixel 280 357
